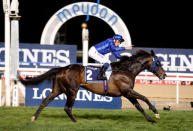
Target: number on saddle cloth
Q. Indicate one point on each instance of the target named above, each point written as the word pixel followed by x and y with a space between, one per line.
pixel 91 73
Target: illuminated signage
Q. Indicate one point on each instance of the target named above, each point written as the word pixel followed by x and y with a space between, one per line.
pixel 88 9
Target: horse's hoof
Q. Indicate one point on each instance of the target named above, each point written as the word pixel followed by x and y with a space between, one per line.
pixel 74 121
pixel 154 123
pixel 157 116
pixel 33 118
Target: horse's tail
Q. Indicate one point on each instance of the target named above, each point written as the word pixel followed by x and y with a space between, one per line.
pixel 35 80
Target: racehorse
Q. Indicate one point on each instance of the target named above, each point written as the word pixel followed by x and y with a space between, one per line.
pixel 68 80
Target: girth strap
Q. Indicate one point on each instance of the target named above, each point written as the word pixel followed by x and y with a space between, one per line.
pixel 105 87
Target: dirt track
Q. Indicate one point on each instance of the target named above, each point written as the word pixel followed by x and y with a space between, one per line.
pixel 163 95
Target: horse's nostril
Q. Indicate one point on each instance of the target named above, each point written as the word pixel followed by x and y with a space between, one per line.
pixel 165 75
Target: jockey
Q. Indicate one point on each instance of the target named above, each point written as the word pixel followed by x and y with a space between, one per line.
pixel 98 51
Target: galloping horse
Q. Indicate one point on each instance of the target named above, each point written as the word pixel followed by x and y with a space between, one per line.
pixel 121 82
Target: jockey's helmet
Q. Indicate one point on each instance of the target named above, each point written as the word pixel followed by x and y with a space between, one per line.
pixel 118 37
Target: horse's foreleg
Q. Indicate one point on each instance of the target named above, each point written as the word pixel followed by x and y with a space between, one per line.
pixel 69 103
pixel 138 106
pixel 44 103
pixel 136 95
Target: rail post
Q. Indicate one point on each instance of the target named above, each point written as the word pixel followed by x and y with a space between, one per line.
pixel 0 90
pixel 177 88
pixel 6 7
pixel 85 38
pixel 15 99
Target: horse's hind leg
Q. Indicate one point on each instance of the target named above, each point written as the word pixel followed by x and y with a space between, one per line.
pixel 138 106
pixel 136 95
pixel 55 92
pixel 44 103
pixel 69 103
pixel 71 91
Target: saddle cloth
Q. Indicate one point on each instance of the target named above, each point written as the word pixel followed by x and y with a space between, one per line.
pixel 91 73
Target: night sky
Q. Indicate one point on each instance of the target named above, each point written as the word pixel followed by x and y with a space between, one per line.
pixel 160 24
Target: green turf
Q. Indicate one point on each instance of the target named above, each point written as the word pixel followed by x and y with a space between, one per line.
pixel 55 119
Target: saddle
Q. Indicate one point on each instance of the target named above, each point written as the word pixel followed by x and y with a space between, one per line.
pixel 91 73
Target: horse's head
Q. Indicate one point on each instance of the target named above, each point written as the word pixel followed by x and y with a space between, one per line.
pixel 154 66
pixel 147 60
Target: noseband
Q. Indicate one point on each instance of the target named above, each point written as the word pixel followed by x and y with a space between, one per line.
pixel 155 64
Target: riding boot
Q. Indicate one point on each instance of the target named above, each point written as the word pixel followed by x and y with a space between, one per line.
pixel 101 75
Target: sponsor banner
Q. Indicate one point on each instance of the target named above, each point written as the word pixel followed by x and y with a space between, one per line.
pixel 162 82
pixel 84 98
pixel 173 60
pixel 42 56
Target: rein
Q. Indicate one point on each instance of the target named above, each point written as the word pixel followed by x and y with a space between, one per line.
pixel 154 67
pixel 143 67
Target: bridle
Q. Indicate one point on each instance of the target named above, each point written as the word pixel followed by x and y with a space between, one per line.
pixel 154 66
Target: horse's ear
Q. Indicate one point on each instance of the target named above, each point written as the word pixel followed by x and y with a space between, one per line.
pixel 152 53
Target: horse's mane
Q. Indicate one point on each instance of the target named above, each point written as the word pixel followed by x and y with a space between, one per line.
pixel 126 62
pixel 135 55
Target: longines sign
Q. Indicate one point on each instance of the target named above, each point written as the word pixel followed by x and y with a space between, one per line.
pixel 84 98
pixel 173 60
pixel 43 56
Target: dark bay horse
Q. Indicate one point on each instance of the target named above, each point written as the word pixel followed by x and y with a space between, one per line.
pixel 121 82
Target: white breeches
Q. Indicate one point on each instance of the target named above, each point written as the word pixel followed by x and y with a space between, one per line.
pixel 93 53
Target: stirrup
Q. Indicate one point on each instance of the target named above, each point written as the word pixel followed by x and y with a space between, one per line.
pixel 101 78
